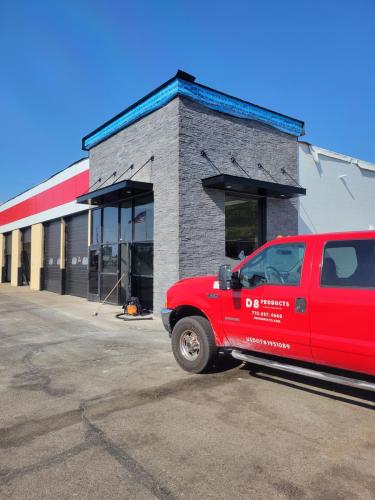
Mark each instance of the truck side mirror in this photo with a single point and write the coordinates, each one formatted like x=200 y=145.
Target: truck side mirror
x=235 y=282
x=224 y=277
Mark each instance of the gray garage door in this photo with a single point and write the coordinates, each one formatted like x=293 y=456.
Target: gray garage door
x=52 y=271
x=76 y=255
x=8 y=257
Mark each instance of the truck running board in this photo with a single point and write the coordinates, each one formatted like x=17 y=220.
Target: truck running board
x=328 y=377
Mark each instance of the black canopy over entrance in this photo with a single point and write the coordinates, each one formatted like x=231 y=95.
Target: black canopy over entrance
x=253 y=187
x=115 y=192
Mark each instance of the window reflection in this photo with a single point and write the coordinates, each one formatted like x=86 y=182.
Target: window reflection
x=93 y=271
x=126 y=221
x=124 y=235
x=143 y=255
x=109 y=258
x=110 y=224
x=144 y=219
x=276 y=265
x=96 y=227
x=241 y=227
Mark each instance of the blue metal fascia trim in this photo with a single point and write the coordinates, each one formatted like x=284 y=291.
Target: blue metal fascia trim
x=203 y=95
x=241 y=109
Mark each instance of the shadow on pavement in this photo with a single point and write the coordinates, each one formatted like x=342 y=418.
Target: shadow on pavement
x=364 y=399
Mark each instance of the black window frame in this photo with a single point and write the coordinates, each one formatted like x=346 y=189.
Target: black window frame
x=134 y=206
x=261 y=216
x=119 y=242
x=116 y=206
x=100 y=211
x=131 y=201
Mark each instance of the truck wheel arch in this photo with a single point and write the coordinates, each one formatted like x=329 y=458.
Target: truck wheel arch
x=185 y=311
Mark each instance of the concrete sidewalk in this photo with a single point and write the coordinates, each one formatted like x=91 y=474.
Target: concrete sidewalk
x=77 y=307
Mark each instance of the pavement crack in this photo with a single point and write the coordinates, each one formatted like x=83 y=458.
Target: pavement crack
x=9 y=475
x=97 y=437
x=22 y=433
x=35 y=378
x=107 y=404
x=94 y=437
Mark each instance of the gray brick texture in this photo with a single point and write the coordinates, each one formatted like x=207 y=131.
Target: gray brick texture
x=189 y=221
x=157 y=135
x=201 y=218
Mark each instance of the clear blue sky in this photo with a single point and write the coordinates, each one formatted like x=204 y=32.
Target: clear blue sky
x=68 y=66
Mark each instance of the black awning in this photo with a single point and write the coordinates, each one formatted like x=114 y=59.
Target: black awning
x=255 y=187
x=115 y=192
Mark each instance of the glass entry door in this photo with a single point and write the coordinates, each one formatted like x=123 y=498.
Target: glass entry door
x=142 y=272
x=109 y=274
x=136 y=269
x=122 y=250
x=94 y=260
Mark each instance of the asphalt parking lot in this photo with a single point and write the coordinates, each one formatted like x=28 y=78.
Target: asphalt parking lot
x=96 y=408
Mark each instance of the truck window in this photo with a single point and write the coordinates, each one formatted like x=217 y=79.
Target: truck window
x=276 y=265
x=349 y=264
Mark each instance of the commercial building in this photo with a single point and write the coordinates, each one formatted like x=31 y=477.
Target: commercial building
x=44 y=234
x=178 y=183
x=340 y=191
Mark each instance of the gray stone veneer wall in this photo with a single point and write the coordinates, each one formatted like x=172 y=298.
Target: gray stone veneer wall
x=155 y=134
x=189 y=225
x=201 y=218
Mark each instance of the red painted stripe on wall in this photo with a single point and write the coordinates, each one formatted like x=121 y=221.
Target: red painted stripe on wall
x=57 y=195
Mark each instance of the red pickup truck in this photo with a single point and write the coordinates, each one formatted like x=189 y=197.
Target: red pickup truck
x=307 y=298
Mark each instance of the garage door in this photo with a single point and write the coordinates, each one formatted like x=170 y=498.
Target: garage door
x=8 y=258
x=76 y=255
x=52 y=271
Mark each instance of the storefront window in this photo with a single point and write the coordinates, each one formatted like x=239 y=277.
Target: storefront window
x=124 y=235
x=94 y=271
x=143 y=255
x=109 y=258
x=241 y=227
x=110 y=224
x=142 y=287
x=96 y=227
x=126 y=221
x=144 y=219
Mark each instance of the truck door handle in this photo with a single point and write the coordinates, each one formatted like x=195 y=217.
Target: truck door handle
x=300 y=305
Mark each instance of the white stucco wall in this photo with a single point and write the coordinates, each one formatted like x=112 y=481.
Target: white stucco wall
x=340 y=192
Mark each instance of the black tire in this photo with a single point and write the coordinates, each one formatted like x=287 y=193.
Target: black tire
x=201 y=331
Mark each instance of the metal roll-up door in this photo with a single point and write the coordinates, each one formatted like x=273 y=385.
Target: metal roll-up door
x=52 y=271
x=8 y=257
x=76 y=279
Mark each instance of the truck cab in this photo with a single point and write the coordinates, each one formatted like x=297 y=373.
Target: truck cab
x=307 y=298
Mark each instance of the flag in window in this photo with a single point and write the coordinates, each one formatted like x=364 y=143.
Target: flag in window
x=140 y=218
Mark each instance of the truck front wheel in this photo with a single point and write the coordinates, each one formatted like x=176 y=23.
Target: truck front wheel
x=193 y=344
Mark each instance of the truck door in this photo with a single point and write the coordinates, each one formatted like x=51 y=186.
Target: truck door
x=343 y=304
x=270 y=312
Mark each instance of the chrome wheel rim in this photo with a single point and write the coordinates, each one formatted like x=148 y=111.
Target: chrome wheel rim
x=190 y=345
